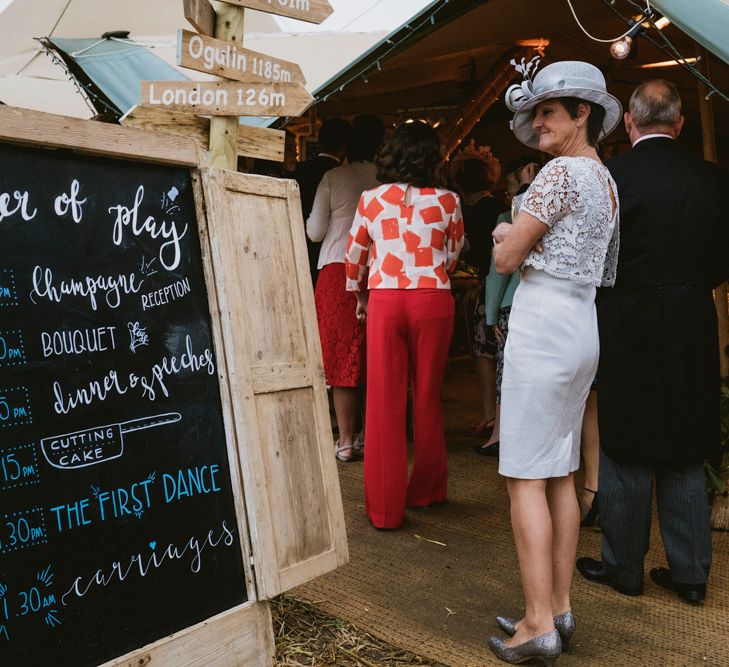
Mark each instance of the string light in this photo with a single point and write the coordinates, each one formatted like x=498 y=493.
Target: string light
x=93 y=101
x=662 y=42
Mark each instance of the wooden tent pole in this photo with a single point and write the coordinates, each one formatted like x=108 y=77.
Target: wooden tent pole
x=229 y=22
x=494 y=85
x=721 y=295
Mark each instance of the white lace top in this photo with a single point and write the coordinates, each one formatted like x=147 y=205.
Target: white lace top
x=571 y=195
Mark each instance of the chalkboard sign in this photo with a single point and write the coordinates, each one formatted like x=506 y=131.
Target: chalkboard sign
x=117 y=517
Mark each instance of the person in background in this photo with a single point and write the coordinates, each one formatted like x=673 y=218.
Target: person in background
x=411 y=232
x=499 y=289
x=342 y=334
x=658 y=393
x=332 y=139
x=590 y=453
x=566 y=235
x=474 y=178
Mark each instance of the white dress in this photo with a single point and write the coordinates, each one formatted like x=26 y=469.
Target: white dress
x=552 y=349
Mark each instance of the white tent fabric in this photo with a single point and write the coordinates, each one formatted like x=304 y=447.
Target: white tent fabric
x=30 y=79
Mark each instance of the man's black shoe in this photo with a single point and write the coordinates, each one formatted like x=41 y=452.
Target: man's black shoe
x=594 y=570
x=693 y=593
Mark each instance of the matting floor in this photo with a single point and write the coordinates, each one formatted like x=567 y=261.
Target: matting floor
x=439 y=600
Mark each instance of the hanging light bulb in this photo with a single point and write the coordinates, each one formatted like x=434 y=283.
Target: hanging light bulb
x=621 y=48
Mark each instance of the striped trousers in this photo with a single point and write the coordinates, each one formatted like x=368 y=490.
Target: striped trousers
x=626 y=502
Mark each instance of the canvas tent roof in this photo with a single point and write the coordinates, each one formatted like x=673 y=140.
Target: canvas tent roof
x=28 y=78
x=444 y=63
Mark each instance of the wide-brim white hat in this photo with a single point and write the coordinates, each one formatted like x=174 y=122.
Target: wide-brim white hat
x=568 y=78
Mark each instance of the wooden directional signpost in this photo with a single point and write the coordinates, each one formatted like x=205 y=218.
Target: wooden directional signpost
x=214 y=56
x=312 y=11
x=226 y=99
x=264 y=86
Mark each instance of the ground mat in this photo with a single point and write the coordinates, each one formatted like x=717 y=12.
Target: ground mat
x=434 y=586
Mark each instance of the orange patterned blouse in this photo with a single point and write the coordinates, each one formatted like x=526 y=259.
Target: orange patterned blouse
x=408 y=246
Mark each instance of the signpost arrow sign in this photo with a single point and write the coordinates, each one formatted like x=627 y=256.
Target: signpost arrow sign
x=226 y=99
x=232 y=61
x=201 y=15
x=312 y=11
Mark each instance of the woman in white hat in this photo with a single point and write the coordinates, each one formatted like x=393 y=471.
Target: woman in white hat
x=566 y=239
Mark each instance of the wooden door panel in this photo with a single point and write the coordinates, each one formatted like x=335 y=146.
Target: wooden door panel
x=273 y=355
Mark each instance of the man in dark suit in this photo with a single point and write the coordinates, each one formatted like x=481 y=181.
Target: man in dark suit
x=332 y=139
x=658 y=379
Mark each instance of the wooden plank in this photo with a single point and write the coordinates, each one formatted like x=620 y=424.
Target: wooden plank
x=311 y=11
x=708 y=132
x=257 y=240
x=494 y=85
x=232 y=61
x=256 y=142
x=227 y=99
x=280 y=377
x=201 y=15
x=238 y=637
x=23 y=126
x=231 y=437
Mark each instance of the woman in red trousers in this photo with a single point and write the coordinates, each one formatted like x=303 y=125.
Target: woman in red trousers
x=409 y=233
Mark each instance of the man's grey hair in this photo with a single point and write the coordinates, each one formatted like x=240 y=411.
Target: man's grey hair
x=655 y=103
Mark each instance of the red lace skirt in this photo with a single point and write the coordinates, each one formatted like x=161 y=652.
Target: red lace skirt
x=342 y=336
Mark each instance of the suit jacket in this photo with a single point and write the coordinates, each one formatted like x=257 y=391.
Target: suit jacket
x=308 y=175
x=658 y=379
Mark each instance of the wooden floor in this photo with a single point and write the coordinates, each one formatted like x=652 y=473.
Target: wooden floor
x=434 y=586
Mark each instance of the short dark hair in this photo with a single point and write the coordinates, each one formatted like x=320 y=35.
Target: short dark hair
x=595 y=120
x=472 y=176
x=411 y=155
x=365 y=138
x=333 y=135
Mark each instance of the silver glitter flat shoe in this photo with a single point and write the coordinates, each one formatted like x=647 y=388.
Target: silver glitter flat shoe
x=546 y=647
x=564 y=623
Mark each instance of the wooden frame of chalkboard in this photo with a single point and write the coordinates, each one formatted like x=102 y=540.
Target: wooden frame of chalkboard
x=268 y=397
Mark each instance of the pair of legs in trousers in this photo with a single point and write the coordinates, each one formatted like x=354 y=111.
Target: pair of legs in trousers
x=626 y=499
x=408 y=335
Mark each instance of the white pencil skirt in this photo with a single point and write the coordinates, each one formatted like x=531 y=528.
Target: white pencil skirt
x=550 y=362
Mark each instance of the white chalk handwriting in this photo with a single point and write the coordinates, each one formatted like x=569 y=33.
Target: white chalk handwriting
x=138 y=336
x=8 y=207
x=112 y=287
x=142 y=563
x=70 y=201
x=150 y=385
x=169 y=251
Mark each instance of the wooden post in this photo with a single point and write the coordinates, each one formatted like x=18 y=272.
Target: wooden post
x=229 y=22
x=721 y=298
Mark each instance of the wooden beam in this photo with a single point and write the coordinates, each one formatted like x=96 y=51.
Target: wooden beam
x=229 y=24
x=493 y=86
x=257 y=142
x=26 y=127
x=201 y=16
x=312 y=11
x=721 y=293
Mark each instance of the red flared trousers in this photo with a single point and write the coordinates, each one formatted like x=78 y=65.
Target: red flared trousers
x=408 y=336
